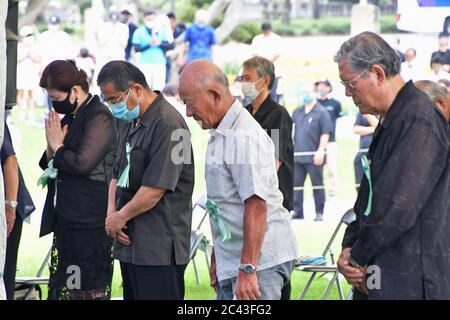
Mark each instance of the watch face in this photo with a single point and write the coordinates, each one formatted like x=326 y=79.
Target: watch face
x=11 y=203
x=248 y=269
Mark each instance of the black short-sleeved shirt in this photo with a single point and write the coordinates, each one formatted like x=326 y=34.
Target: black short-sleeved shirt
x=443 y=55
x=334 y=110
x=364 y=141
x=308 y=128
x=408 y=230
x=155 y=139
x=25 y=205
x=270 y=116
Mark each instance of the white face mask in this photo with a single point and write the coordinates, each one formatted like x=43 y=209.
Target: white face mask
x=249 y=90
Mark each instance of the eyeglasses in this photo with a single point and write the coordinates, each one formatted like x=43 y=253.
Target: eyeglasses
x=111 y=104
x=351 y=83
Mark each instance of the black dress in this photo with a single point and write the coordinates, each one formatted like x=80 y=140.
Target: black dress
x=76 y=205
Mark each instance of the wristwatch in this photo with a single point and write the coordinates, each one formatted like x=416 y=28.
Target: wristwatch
x=11 y=203
x=247 y=268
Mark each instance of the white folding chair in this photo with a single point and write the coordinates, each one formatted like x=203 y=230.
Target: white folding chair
x=197 y=237
x=34 y=282
x=346 y=219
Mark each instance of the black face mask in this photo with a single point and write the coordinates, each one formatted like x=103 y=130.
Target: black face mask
x=65 y=107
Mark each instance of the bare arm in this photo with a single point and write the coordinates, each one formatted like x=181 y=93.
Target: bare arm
x=363 y=131
x=373 y=121
x=145 y=199
x=255 y=220
x=278 y=164
x=11 y=179
x=112 y=196
x=319 y=156
x=323 y=142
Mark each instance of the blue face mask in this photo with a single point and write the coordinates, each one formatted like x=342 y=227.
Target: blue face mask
x=120 y=110
x=307 y=99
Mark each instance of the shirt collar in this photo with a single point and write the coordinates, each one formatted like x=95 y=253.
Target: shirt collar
x=314 y=109
x=397 y=106
x=147 y=117
x=263 y=109
x=228 y=120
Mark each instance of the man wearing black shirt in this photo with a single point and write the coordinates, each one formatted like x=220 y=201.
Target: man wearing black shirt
x=402 y=221
x=443 y=52
x=150 y=208
x=258 y=76
x=333 y=107
x=273 y=117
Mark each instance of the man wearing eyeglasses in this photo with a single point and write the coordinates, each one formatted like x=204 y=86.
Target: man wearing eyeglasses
x=402 y=221
x=149 y=208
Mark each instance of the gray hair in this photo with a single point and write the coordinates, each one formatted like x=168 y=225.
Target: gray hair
x=263 y=67
x=219 y=78
x=366 y=49
x=432 y=89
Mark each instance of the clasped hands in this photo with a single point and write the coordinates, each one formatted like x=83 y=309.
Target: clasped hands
x=355 y=276
x=115 y=225
x=54 y=133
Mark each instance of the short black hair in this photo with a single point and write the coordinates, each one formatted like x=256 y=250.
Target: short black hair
x=266 y=26
x=437 y=59
x=121 y=74
x=172 y=15
x=443 y=35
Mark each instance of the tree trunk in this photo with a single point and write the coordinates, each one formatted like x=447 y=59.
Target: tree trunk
x=216 y=8
x=316 y=10
x=34 y=9
x=287 y=12
x=233 y=18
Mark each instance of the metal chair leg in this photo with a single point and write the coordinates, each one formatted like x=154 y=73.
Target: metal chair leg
x=308 y=284
x=350 y=294
x=339 y=285
x=330 y=285
x=196 y=272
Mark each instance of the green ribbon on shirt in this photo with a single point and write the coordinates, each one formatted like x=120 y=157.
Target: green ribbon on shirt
x=216 y=215
x=124 y=177
x=49 y=173
x=366 y=169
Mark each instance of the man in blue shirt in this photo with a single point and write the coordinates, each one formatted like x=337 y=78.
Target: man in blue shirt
x=200 y=38
x=150 y=41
